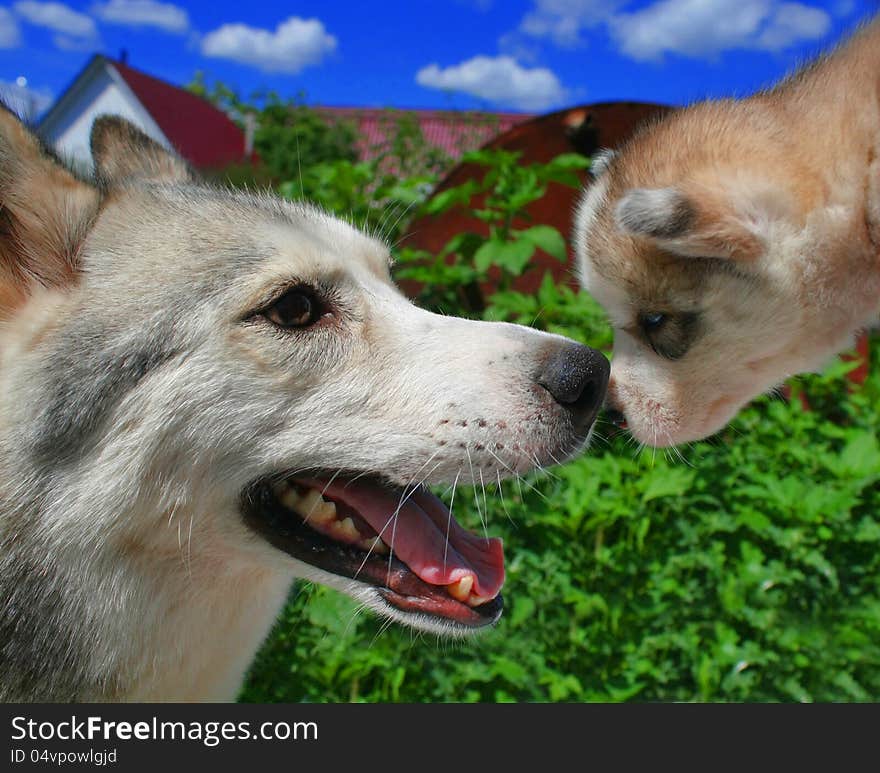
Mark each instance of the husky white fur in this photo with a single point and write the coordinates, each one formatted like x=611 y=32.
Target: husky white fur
x=735 y=243
x=206 y=394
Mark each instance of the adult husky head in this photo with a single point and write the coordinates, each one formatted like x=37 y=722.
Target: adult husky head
x=206 y=394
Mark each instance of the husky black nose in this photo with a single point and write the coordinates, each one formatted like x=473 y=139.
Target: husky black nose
x=577 y=376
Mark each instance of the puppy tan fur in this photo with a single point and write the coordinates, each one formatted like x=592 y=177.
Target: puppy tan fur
x=205 y=394
x=737 y=242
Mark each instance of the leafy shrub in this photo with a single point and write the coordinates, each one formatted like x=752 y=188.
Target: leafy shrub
x=453 y=280
x=287 y=133
x=742 y=568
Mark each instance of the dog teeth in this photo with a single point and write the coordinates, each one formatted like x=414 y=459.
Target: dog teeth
x=311 y=505
x=308 y=505
x=461 y=589
x=289 y=497
x=319 y=512
x=374 y=545
x=309 y=502
x=346 y=530
x=325 y=513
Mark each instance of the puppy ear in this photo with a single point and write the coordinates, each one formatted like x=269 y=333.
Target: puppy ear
x=123 y=153
x=601 y=160
x=45 y=214
x=687 y=225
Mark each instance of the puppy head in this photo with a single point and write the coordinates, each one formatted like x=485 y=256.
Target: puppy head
x=724 y=264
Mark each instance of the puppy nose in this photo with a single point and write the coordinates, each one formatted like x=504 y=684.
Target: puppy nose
x=577 y=376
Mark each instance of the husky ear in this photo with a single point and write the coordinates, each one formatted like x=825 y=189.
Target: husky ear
x=122 y=152
x=45 y=214
x=685 y=225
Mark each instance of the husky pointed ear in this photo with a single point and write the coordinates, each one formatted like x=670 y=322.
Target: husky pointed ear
x=45 y=215
x=686 y=226
x=122 y=153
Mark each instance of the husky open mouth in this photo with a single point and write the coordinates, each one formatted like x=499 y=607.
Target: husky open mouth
x=404 y=543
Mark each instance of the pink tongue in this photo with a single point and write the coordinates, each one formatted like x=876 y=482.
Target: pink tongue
x=418 y=535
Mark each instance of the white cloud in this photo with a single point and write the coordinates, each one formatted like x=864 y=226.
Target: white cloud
x=70 y=43
x=10 y=36
x=143 y=13
x=706 y=28
x=792 y=23
x=562 y=20
x=518 y=46
x=26 y=102
x=499 y=79
x=58 y=18
x=295 y=44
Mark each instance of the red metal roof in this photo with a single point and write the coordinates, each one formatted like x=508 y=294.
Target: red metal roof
x=584 y=129
x=452 y=131
x=202 y=134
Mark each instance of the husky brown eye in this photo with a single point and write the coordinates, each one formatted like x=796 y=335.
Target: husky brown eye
x=298 y=307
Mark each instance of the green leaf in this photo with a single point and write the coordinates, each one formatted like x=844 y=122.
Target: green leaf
x=509 y=669
x=465 y=244
x=511 y=256
x=547 y=238
x=668 y=482
x=459 y=195
x=523 y=609
x=861 y=455
x=569 y=161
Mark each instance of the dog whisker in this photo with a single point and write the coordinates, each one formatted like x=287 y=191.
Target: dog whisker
x=404 y=498
x=361 y=607
x=330 y=482
x=485 y=503
x=189 y=546
x=476 y=493
x=384 y=626
x=517 y=477
x=501 y=496
x=399 y=218
x=449 y=518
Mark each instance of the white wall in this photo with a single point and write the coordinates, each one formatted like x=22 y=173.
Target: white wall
x=69 y=131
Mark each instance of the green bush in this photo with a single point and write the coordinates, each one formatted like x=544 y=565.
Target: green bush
x=742 y=568
x=288 y=135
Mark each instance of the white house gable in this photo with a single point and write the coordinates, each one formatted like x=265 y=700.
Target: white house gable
x=99 y=90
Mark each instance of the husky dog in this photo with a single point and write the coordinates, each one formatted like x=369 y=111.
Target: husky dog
x=206 y=394
x=735 y=243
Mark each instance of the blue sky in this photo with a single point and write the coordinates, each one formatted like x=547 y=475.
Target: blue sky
x=531 y=55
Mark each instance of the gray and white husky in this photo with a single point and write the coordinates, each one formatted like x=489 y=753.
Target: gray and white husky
x=205 y=394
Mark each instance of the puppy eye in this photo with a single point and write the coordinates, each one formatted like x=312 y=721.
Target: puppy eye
x=299 y=307
x=652 y=321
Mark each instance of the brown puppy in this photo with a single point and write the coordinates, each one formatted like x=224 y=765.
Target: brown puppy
x=735 y=243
